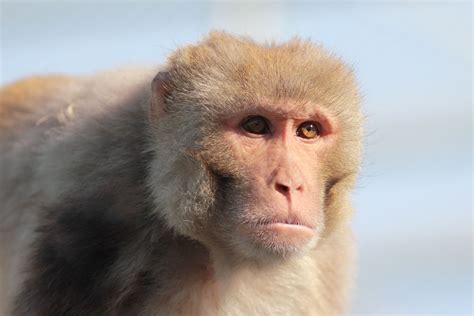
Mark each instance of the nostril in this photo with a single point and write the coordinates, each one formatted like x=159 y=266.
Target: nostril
x=282 y=188
x=287 y=189
x=299 y=188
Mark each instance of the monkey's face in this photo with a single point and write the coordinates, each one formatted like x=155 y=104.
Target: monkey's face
x=271 y=160
x=254 y=144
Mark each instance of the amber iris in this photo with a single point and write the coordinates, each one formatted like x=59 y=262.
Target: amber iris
x=308 y=130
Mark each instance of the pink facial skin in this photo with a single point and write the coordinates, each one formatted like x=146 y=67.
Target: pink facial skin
x=284 y=171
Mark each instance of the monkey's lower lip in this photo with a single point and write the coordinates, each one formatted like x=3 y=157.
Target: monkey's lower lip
x=295 y=230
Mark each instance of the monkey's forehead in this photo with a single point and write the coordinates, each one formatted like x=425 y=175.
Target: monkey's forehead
x=225 y=70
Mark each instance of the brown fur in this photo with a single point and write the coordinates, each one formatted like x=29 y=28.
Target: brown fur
x=131 y=198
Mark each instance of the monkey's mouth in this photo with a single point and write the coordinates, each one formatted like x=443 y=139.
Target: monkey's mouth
x=289 y=228
x=290 y=221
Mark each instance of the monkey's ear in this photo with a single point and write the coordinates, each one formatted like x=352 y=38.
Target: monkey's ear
x=160 y=90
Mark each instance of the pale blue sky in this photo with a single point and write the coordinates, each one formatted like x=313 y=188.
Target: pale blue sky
x=413 y=202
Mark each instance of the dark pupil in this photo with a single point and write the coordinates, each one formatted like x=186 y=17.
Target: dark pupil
x=310 y=128
x=255 y=125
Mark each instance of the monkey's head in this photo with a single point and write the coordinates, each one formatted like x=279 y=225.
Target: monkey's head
x=256 y=146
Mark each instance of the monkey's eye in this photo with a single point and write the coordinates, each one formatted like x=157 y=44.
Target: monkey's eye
x=308 y=130
x=255 y=125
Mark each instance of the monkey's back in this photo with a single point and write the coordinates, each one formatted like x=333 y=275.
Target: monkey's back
x=35 y=114
x=27 y=112
x=38 y=115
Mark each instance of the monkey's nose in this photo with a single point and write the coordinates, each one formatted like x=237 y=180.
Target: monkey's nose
x=287 y=188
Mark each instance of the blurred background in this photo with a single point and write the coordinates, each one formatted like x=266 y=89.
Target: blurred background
x=413 y=219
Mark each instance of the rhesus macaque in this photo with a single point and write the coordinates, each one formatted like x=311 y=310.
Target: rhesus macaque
x=221 y=190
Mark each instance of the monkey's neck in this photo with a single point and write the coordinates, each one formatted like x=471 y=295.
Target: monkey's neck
x=205 y=284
